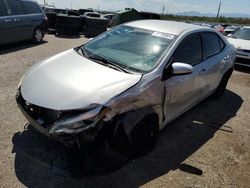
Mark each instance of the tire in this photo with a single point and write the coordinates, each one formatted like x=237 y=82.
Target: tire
x=38 y=35
x=141 y=139
x=70 y=25
x=223 y=84
x=96 y=22
x=63 y=19
x=93 y=31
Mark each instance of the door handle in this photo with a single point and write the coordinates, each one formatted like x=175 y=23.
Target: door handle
x=8 y=20
x=203 y=71
x=226 y=57
x=16 y=19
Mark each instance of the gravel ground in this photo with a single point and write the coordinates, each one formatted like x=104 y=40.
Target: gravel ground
x=206 y=147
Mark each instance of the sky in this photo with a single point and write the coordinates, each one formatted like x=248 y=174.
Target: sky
x=171 y=6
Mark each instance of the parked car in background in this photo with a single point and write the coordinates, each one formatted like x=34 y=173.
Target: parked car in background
x=241 y=41
x=218 y=27
x=231 y=30
x=82 y=11
x=21 y=20
x=126 y=84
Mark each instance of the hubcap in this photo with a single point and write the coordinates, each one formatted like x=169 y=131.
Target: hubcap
x=38 y=35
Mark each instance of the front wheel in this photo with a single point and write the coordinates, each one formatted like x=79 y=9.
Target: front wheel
x=141 y=139
x=38 y=35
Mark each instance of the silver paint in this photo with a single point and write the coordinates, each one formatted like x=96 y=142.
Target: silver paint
x=69 y=81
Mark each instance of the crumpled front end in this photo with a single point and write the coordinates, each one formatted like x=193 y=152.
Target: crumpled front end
x=67 y=127
x=84 y=125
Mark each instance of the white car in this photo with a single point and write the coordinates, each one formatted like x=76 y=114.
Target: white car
x=241 y=41
x=126 y=84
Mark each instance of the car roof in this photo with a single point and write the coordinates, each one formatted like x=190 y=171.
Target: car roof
x=171 y=27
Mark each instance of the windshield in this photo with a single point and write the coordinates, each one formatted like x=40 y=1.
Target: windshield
x=131 y=48
x=244 y=34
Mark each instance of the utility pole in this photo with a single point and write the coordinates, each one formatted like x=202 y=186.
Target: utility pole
x=218 y=13
x=44 y=2
x=99 y=3
x=163 y=10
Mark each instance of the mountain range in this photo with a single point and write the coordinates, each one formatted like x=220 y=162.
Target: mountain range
x=194 y=13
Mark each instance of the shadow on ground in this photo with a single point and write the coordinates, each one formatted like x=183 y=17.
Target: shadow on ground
x=68 y=36
x=35 y=155
x=13 y=47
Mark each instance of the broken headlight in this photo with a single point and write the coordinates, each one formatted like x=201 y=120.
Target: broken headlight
x=79 y=123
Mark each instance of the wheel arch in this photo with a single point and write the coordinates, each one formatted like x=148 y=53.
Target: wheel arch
x=130 y=119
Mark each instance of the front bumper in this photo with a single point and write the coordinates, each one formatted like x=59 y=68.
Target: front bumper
x=44 y=125
x=243 y=57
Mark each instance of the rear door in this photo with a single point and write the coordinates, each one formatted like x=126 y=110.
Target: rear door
x=16 y=24
x=213 y=61
x=33 y=17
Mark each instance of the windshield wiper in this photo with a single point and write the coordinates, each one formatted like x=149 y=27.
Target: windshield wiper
x=82 y=52
x=103 y=61
x=107 y=62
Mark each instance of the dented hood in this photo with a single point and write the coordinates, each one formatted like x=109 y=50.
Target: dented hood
x=69 y=81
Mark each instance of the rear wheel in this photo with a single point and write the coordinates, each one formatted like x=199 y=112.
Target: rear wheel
x=223 y=84
x=38 y=35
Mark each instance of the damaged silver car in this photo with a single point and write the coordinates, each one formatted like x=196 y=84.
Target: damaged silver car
x=126 y=84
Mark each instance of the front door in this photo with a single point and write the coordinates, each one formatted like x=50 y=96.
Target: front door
x=184 y=91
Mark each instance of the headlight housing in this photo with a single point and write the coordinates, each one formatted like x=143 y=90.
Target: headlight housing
x=79 y=123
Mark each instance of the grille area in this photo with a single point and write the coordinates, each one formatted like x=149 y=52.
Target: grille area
x=45 y=117
x=243 y=61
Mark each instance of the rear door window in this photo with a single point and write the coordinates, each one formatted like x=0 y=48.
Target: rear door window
x=211 y=44
x=31 y=8
x=15 y=7
x=3 y=11
x=189 y=51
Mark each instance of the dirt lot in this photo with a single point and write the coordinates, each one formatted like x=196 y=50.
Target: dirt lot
x=207 y=147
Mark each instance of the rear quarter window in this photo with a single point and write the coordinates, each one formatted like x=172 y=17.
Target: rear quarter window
x=211 y=44
x=3 y=11
x=15 y=7
x=222 y=44
x=31 y=8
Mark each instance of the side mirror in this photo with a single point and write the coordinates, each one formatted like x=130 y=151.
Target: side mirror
x=181 y=68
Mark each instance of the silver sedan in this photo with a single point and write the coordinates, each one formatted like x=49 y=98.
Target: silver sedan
x=126 y=84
